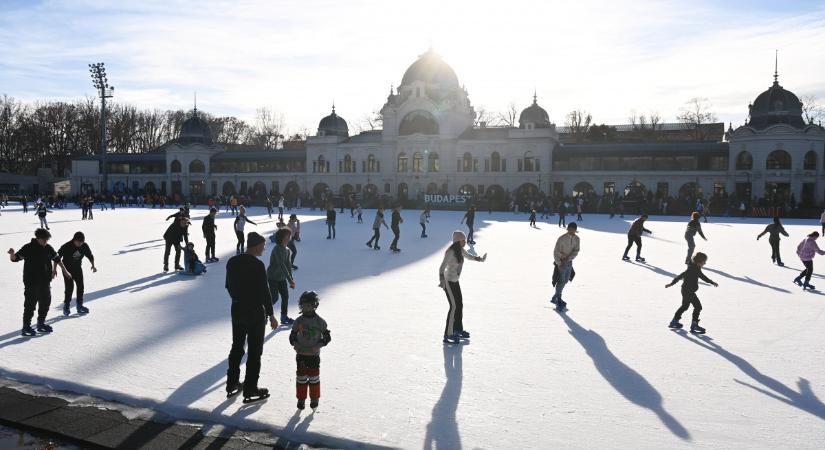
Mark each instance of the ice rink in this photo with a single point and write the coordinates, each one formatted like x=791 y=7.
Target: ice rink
x=607 y=374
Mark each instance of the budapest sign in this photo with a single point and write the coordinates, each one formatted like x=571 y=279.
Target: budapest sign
x=436 y=198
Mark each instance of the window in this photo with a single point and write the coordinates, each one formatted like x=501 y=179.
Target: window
x=609 y=188
x=402 y=162
x=321 y=165
x=347 y=165
x=662 y=189
x=418 y=162
x=778 y=160
x=466 y=163
x=432 y=162
x=530 y=163
x=744 y=161
x=175 y=168
x=372 y=164
x=810 y=161
x=495 y=162
x=387 y=188
x=197 y=166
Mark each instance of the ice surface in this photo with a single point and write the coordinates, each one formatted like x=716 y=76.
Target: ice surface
x=608 y=374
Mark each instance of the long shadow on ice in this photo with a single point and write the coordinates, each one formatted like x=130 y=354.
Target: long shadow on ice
x=805 y=400
x=442 y=431
x=626 y=381
x=748 y=280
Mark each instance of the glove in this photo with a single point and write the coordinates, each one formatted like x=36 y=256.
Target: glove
x=326 y=337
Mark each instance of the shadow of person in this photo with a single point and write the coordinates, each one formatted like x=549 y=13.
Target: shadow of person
x=626 y=381
x=804 y=400
x=748 y=280
x=655 y=269
x=294 y=428
x=442 y=431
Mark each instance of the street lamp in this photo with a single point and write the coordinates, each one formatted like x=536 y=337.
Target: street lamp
x=104 y=91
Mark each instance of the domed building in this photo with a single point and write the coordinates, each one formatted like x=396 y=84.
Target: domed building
x=333 y=125
x=195 y=130
x=534 y=116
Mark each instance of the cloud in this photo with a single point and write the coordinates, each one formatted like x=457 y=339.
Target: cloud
x=298 y=56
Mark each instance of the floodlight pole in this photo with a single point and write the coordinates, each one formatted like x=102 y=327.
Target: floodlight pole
x=104 y=91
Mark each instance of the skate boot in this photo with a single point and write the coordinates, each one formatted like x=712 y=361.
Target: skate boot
x=369 y=244
x=554 y=300
x=640 y=259
x=377 y=247
x=179 y=268
x=675 y=324
x=301 y=404
x=464 y=334
x=797 y=281
x=232 y=389
x=66 y=310
x=215 y=259
x=808 y=286
x=43 y=328
x=166 y=268
x=452 y=339
x=625 y=258
x=561 y=305
x=695 y=328
x=82 y=309
x=27 y=331
x=780 y=264
x=285 y=320
x=255 y=394
x=313 y=403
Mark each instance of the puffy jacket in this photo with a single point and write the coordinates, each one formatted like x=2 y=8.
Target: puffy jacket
x=567 y=248
x=807 y=249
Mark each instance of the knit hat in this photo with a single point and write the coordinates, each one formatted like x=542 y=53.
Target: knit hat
x=459 y=235
x=79 y=236
x=254 y=239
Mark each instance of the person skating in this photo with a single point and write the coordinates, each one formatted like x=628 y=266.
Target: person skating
x=470 y=219
x=448 y=276
x=690 y=284
x=579 y=202
x=562 y=213
x=423 y=220
x=72 y=254
x=700 y=208
x=191 y=263
x=634 y=236
x=269 y=207
x=308 y=335
x=295 y=227
x=240 y=222
x=533 y=218
x=360 y=213
x=279 y=272
x=176 y=232
x=566 y=249
x=208 y=227
x=251 y=307
x=376 y=228
x=40 y=263
x=281 y=208
x=25 y=202
x=806 y=250
x=41 y=212
x=693 y=227
x=331 y=221
x=395 y=226
x=774 y=230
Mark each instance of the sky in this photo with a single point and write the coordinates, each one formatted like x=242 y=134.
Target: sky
x=298 y=57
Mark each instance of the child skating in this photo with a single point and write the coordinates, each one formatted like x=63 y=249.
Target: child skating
x=634 y=236
x=690 y=284
x=806 y=250
x=533 y=218
x=309 y=333
x=774 y=230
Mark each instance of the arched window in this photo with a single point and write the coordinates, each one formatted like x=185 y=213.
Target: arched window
x=530 y=163
x=495 y=162
x=372 y=164
x=228 y=188
x=347 y=165
x=690 y=190
x=778 y=160
x=467 y=162
x=744 y=161
x=149 y=187
x=197 y=166
x=403 y=191
x=418 y=162
x=175 y=168
x=321 y=165
x=432 y=162
x=810 y=161
x=421 y=122
x=582 y=188
x=402 y=162
x=467 y=189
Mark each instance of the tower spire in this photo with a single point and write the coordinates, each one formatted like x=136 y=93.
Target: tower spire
x=196 y=103
x=776 y=67
x=535 y=97
x=333 y=106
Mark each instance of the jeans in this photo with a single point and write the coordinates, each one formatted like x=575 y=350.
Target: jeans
x=239 y=247
x=331 y=230
x=634 y=240
x=423 y=230
x=169 y=245
x=691 y=246
x=210 y=246
x=376 y=235
x=775 y=250
x=397 y=232
x=689 y=298
x=470 y=233
x=564 y=277
x=77 y=278
x=293 y=249
x=37 y=295
x=806 y=272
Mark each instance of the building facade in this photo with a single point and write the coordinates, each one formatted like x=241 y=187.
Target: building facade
x=429 y=145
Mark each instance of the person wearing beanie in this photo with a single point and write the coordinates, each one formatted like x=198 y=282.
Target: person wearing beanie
x=279 y=272
x=40 y=263
x=690 y=285
x=72 y=254
x=634 y=236
x=565 y=251
x=208 y=227
x=774 y=230
x=448 y=275
x=246 y=282
x=240 y=221
x=806 y=250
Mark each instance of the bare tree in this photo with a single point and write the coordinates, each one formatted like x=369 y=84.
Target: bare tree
x=812 y=109
x=696 y=114
x=508 y=117
x=370 y=122
x=269 y=129
x=483 y=117
x=578 y=122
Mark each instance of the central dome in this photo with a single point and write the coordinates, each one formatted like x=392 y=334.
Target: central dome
x=431 y=69
x=776 y=105
x=195 y=131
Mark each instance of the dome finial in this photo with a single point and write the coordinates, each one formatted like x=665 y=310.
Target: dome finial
x=196 y=104
x=535 y=97
x=776 y=68
x=333 y=107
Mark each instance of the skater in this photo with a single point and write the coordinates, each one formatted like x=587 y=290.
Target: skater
x=376 y=228
x=533 y=218
x=693 y=227
x=822 y=221
x=25 y=202
x=308 y=335
x=295 y=227
x=395 y=226
x=579 y=202
x=40 y=263
x=565 y=251
x=251 y=307
x=281 y=208
x=690 y=285
x=41 y=212
x=700 y=208
x=72 y=253
x=774 y=230
x=359 y=211
x=470 y=218
x=269 y=206
x=806 y=250
x=424 y=220
x=192 y=264
x=208 y=227
x=279 y=272
x=562 y=213
x=240 y=222
x=634 y=235
x=448 y=275
x=331 y=221
x=176 y=232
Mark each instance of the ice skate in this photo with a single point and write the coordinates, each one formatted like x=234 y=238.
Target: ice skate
x=452 y=339
x=561 y=305
x=808 y=286
x=255 y=394
x=301 y=404
x=797 y=281
x=43 y=328
x=640 y=259
x=625 y=258
x=675 y=324
x=82 y=309
x=369 y=244
x=232 y=389
x=464 y=334
x=66 y=310
x=166 y=268
x=313 y=403
x=554 y=299
x=695 y=328
x=28 y=331
x=286 y=320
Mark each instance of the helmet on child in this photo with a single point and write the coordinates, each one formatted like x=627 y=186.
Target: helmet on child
x=308 y=301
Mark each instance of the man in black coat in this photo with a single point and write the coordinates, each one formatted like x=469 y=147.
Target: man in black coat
x=247 y=284
x=39 y=269
x=395 y=226
x=71 y=254
x=176 y=232
x=208 y=229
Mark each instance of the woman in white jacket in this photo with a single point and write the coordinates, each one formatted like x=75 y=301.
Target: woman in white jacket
x=448 y=275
